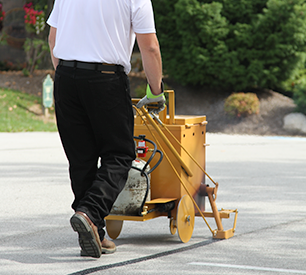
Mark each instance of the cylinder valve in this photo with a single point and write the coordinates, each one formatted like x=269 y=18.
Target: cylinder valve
x=142 y=148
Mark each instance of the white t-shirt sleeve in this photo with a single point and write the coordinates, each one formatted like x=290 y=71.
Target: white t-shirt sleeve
x=142 y=17
x=52 y=20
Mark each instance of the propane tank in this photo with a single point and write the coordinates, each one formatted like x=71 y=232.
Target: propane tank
x=132 y=196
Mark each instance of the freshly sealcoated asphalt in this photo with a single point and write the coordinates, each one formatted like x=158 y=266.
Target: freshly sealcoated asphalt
x=263 y=177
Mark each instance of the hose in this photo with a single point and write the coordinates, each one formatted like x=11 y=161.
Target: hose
x=143 y=170
x=147 y=190
x=155 y=150
x=158 y=162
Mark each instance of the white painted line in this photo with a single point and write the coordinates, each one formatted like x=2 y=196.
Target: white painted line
x=251 y=267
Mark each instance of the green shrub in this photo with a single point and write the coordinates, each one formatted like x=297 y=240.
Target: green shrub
x=299 y=98
x=35 y=50
x=242 y=104
x=232 y=44
x=297 y=86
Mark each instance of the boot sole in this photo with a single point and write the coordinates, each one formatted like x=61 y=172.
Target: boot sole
x=87 y=239
x=104 y=251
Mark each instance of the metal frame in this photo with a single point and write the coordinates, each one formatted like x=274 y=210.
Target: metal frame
x=186 y=169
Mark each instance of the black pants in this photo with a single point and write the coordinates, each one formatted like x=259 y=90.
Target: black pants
x=95 y=120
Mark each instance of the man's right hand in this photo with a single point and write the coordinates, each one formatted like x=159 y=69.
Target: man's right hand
x=150 y=98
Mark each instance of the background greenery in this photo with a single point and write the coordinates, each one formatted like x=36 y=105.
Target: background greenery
x=16 y=113
x=236 y=45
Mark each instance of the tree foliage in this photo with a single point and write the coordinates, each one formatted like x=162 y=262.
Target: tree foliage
x=232 y=44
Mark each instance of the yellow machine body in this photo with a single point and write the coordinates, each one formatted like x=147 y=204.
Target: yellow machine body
x=180 y=177
x=190 y=132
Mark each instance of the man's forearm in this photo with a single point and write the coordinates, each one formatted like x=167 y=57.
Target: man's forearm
x=151 y=60
x=52 y=36
x=54 y=60
x=153 y=70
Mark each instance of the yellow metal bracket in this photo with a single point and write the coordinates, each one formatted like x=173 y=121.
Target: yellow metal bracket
x=226 y=234
x=223 y=214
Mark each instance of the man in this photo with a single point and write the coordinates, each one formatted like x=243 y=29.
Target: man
x=91 y=44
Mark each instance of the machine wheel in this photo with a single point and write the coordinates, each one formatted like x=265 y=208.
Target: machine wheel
x=172 y=226
x=185 y=218
x=113 y=228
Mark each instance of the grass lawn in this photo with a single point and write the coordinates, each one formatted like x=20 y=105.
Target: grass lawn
x=21 y=112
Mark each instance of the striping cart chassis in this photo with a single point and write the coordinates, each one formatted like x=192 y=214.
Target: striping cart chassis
x=177 y=185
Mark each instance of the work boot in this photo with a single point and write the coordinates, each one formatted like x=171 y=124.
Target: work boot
x=89 y=239
x=108 y=247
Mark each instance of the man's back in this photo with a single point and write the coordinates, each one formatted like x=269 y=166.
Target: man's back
x=100 y=30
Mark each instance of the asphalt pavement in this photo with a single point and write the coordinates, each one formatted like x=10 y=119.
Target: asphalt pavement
x=263 y=177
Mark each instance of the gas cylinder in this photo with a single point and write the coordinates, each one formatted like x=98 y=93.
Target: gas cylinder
x=133 y=194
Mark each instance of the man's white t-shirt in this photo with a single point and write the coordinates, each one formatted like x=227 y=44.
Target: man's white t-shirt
x=100 y=30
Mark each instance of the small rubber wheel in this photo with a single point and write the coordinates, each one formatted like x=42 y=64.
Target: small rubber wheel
x=172 y=226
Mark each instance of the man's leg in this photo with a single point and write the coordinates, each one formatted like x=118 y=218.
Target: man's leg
x=81 y=150
x=109 y=107
x=76 y=134
x=95 y=119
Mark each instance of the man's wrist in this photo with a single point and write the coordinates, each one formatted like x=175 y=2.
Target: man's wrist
x=151 y=95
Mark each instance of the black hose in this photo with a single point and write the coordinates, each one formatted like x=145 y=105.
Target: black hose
x=143 y=170
x=157 y=163
x=152 y=155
